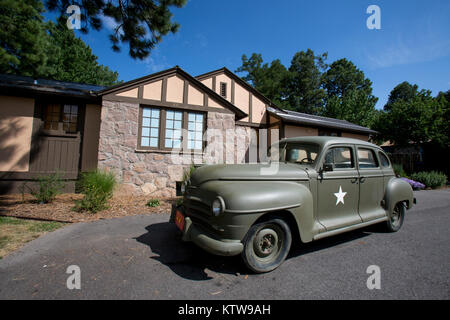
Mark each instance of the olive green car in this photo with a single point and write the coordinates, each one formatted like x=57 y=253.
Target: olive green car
x=312 y=188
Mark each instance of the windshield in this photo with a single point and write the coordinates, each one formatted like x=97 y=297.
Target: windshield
x=300 y=153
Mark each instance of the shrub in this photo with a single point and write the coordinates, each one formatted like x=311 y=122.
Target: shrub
x=432 y=179
x=188 y=173
x=153 y=203
x=398 y=170
x=98 y=188
x=49 y=187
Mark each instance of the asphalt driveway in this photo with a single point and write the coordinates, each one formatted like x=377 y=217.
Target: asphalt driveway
x=141 y=257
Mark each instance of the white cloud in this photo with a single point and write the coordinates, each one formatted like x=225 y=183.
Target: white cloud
x=156 y=62
x=425 y=41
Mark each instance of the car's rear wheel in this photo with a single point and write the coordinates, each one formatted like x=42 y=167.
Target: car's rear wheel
x=396 y=218
x=267 y=245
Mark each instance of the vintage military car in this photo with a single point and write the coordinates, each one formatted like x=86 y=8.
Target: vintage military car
x=311 y=188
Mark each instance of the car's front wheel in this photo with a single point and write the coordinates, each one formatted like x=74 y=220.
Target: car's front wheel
x=396 y=218
x=267 y=245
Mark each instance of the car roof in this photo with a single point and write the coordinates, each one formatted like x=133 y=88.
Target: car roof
x=324 y=141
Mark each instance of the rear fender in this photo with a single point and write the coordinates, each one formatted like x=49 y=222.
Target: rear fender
x=398 y=190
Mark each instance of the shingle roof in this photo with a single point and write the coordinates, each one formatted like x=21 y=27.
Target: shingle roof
x=318 y=121
x=8 y=81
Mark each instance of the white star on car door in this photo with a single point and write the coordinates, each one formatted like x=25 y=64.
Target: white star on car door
x=340 y=196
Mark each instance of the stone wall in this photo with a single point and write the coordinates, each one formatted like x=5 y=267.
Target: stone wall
x=156 y=173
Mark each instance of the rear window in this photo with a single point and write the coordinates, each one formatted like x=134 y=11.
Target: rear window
x=384 y=160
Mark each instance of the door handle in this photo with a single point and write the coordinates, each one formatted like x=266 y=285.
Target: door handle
x=362 y=179
x=354 y=180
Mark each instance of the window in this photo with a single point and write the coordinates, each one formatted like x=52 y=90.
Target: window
x=164 y=128
x=70 y=118
x=51 y=116
x=150 y=127
x=301 y=154
x=366 y=158
x=195 y=131
x=66 y=114
x=341 y=157
x=384 y=160
x=223 y=89
x=173 y=129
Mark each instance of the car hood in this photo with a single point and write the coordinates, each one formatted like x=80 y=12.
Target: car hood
x=285 y=171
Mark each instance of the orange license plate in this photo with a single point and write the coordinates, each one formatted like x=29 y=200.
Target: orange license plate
x=179 y=220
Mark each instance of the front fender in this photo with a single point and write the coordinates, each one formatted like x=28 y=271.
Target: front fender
x=247 y=201
x=258 y=196
x=398 y=190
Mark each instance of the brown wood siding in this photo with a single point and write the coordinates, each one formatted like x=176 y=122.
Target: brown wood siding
x=91 y=136
x=57 y=154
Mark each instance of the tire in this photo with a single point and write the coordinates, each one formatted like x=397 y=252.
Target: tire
x=396 y=218
x=267 y=245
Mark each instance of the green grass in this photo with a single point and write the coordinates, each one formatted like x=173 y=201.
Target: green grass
x=3 y=241
x=10 y=220
x=44 y=226
x=14 y=232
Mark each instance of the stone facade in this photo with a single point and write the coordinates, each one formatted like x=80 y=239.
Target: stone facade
x=156 y=173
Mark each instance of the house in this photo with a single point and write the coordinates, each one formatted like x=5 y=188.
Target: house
x=147 y=130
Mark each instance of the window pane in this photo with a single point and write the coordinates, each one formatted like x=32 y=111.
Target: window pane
x=191 y=117
x=153 y=142
x=155 y=113
x=177 y=125
x=177 y=144
x=199 y=118
x=154 y=132
x=198 y=144
x=341 y=157
x=169 y=134
x=168 y=143
x=146 y=112
x=146 y=122
x=155 y=123
x=145 y=142
x=366 y=158
x=145 y=132
x=169 y=115
x=384 y=160
x=178 y=115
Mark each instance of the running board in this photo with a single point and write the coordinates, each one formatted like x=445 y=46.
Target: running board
x=349 y=228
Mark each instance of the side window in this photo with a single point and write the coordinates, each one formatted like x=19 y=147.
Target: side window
x=366 y=158
x=341 y=157
x=384 y=160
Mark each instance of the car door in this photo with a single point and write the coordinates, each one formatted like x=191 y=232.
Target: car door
x=370 y=184
x=338 y=190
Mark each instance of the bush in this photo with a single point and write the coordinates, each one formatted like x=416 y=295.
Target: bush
x=398 y=170
x=153 y=203
x=98 y=188
x=432 y=179
x=49 y=187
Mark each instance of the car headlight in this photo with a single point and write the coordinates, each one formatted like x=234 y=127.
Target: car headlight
x=218 y=206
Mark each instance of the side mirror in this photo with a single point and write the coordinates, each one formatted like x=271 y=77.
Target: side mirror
x=328 y=167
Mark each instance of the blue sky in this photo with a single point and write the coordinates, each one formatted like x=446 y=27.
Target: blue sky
x=412 y=45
